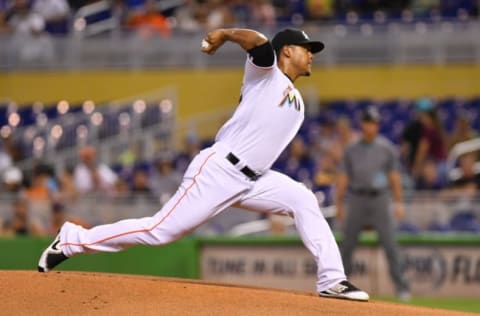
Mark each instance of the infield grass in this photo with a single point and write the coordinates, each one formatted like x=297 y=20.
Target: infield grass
x=458 y=304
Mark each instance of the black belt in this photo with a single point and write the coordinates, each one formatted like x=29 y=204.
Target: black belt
x=252 y=175
x=367 y=192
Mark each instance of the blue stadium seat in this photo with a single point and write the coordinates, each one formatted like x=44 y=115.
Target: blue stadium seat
x=407 y=227
x=440 y=228
x=465 y=221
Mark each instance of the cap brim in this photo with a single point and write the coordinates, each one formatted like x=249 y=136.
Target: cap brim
x=315 y=46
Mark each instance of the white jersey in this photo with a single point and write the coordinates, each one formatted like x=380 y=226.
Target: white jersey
x=269 y=115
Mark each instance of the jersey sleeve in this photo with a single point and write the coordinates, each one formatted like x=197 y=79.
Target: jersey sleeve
x=260 y=62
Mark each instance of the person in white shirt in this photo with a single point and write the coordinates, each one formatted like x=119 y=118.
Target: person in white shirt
x=236 y=169
x=56 y=14
x=29 y=42
x=91 y=176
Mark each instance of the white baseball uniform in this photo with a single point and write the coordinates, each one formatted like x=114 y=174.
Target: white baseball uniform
x=269 y=115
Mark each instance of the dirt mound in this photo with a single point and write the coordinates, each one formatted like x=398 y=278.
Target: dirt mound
x=77 y=293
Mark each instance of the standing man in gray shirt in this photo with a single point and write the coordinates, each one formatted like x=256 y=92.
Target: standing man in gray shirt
x=370 y=178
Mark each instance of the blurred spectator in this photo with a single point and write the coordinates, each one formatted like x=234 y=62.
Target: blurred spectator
x=120 y=10
x=412 y=133
x=18 y=225
x=298 y=164
x=192 y=147
x=91 y=176
x=140 y=182
x=30 y=42
x=345 y=136
x=3 y=22
x=429 y=178
x=42 y=185
x=187 y=18
x=324 y=142
x=324 y=178
x=424 y=139
x=263 y=13
x=56 y=14
x=432 y=145
x=59 y=217
x=469 y=178
x=191 y=15
x=127 y=161
x=425 y=8
x=219 y=15
x=68 y=191
x=320 y=9
x=457 y=8
x=5 y=159
x=150 y=22
x=164 y=180
x=11 y=149
x=242 y=11
x=290 y=11
x=121 y=190
x=40 y=194
x=463 y=131
x=12 y=180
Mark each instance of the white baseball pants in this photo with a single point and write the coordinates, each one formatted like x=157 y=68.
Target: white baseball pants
x=211 y=184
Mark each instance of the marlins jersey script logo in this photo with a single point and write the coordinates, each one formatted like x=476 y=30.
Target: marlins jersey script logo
x=291 y=97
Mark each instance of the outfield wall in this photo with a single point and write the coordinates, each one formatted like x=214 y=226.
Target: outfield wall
x=441 y=266
x=444 y=266
x=179 y=259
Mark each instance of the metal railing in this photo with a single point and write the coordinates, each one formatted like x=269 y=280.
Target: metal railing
x=146 y=123
x=438 y=212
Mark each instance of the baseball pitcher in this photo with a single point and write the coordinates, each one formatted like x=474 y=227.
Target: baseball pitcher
x=236 y=169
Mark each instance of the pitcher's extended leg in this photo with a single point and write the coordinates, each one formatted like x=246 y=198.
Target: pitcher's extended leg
x=198 y=198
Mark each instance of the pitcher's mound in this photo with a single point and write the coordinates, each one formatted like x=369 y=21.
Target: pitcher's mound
x=77 y=293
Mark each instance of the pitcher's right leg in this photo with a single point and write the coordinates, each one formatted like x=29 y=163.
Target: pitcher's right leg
x=278 y=194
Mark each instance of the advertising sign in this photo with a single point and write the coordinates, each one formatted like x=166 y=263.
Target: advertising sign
x=431 y=270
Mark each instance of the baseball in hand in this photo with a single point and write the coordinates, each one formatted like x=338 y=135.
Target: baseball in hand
x=205 y=44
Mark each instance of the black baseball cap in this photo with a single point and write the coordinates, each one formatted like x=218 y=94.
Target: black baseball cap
x=295 y=37
x=370 y=114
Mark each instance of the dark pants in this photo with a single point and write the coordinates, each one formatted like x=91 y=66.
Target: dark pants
x=375 y=211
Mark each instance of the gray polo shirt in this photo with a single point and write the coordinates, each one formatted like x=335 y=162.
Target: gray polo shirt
x=367 y=164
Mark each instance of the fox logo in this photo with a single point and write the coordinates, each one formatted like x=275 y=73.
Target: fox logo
x=291 y=96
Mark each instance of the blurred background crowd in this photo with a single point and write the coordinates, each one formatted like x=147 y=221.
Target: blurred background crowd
x=155 y=17
x=424 y=132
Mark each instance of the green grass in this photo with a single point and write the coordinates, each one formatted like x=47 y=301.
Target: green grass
x=457 y=304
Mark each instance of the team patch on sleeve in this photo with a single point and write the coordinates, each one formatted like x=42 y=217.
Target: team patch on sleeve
x=290 y=96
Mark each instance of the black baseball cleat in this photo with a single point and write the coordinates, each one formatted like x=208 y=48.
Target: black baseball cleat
x=345 y=290
x=51 y=256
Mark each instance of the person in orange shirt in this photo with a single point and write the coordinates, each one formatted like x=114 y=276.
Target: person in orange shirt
x=150 y=22
x=39 y=196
